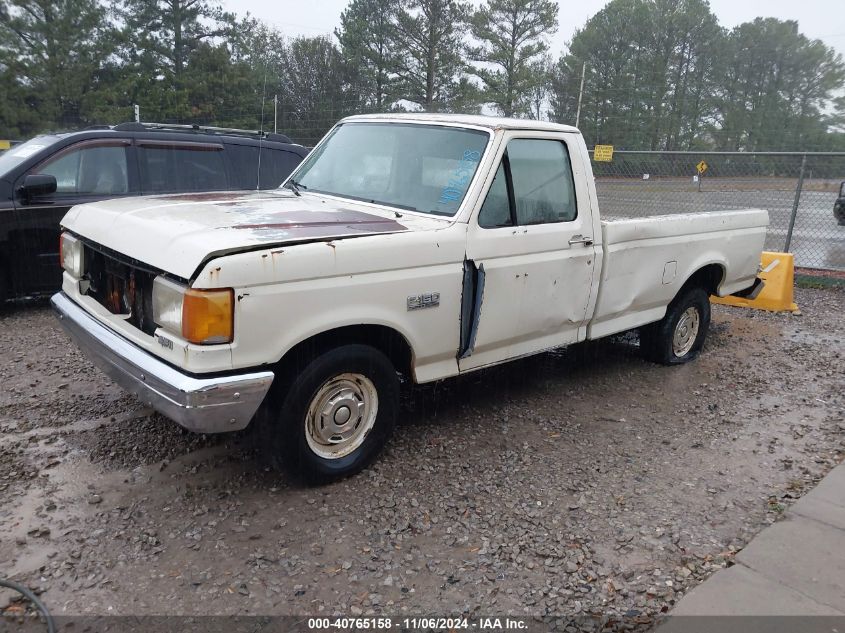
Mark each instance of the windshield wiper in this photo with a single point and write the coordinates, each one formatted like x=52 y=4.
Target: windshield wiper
x=295 y=186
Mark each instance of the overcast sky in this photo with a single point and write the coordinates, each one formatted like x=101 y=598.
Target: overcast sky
x=822 y=19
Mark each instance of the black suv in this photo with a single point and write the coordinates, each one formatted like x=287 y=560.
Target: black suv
x=42 y=178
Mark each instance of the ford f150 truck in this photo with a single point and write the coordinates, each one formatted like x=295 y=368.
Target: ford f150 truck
x=422 y=246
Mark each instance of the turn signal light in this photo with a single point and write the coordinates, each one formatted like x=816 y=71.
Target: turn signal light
x=207 y=316
x=199 y=316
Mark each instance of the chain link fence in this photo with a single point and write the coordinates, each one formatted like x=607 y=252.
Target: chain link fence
x=798 y=190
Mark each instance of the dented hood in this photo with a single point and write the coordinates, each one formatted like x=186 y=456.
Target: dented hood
x=177 y=233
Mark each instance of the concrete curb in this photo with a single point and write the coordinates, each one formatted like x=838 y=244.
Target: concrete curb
x=789 y=575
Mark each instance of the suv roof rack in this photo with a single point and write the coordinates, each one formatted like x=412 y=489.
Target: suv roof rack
x=135 y=126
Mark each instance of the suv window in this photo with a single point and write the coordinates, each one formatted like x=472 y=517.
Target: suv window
x=276 y=165
x=541 y=183
x=243 y=160
x=89 y=170
x=173 y=166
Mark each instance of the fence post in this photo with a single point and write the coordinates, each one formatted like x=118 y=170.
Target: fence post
x=798 y=188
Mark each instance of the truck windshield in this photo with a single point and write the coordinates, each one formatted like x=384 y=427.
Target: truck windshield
x=425 y=168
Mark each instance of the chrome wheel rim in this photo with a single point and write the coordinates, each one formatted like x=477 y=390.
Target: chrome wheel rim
x=686 y=331
x=341 y=415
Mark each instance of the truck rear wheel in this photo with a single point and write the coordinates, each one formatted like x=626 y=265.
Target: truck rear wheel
x=679 y=336
x=331 y=418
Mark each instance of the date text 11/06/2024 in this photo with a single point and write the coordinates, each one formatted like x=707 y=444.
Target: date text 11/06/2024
x=422 y=624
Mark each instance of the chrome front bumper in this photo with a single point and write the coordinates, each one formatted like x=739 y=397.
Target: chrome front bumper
x=203 y=405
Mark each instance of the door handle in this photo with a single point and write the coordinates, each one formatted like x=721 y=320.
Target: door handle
x=580 y=239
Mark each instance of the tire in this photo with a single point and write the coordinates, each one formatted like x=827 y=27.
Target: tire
x=339 y=383
x=658 y=341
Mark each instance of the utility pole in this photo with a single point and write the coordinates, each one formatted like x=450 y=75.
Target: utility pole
x=275 y=113
x=580 y=95
x=137 y=113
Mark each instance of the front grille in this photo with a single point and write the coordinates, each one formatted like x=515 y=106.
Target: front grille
x=120 y=286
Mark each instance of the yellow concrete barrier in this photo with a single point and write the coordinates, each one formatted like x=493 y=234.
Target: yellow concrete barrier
x=777 y=295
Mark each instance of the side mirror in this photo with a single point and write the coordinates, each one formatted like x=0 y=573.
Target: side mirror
x=35 y=185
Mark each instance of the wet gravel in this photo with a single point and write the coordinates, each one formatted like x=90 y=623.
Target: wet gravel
x=581 y=483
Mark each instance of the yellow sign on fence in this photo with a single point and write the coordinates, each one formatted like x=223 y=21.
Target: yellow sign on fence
x=701 y=167
x=603 y=153
x=5 y=144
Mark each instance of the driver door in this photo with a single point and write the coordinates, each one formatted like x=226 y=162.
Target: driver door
x=533 y=240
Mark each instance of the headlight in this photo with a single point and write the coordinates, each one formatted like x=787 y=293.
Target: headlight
x=70 y=254
x=199 y=316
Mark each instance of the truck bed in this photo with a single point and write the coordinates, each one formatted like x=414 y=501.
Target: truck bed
x=646 y=260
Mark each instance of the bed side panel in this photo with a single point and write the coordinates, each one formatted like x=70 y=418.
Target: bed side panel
x=647 y=260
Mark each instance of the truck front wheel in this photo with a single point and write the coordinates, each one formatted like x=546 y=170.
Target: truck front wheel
x=678 y=336
x=333 y=416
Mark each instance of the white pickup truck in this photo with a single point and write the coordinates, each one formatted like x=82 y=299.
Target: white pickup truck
x=422 y=246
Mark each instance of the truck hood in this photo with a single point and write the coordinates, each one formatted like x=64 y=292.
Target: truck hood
x=177 y=233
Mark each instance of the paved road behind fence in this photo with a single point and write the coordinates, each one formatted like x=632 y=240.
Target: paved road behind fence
x=637 y=184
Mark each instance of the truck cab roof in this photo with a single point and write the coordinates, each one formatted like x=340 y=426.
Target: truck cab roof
x=477 y=120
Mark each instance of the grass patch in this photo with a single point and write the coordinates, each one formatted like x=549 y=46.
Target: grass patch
x=818 y=282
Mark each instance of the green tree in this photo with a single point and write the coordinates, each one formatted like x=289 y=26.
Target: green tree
x=157 y=41
x=315 y=87
x=682 y=77
x=161 y=34
x=222 y=92
x=650 y=74
x=54 y=58
x=512 y=36
x=465 y=96
x=368 y=42
x=18 y=118
x=541 y=72
x=431 y=64
x=250 y=75
x=778 y=89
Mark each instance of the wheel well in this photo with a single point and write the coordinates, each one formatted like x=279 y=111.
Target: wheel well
x=709 y=277
x=387 y=340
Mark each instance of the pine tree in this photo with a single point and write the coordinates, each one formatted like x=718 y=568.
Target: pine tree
x=650 y=74
x=778 y=88
x=53 y=54
x=512 y=36
x=432 y=60
x=367 y=37
x=315 y=87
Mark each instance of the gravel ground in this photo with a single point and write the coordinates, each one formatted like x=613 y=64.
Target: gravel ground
x=579 y=483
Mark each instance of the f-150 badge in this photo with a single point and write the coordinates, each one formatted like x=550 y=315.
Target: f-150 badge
x=426 y=300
